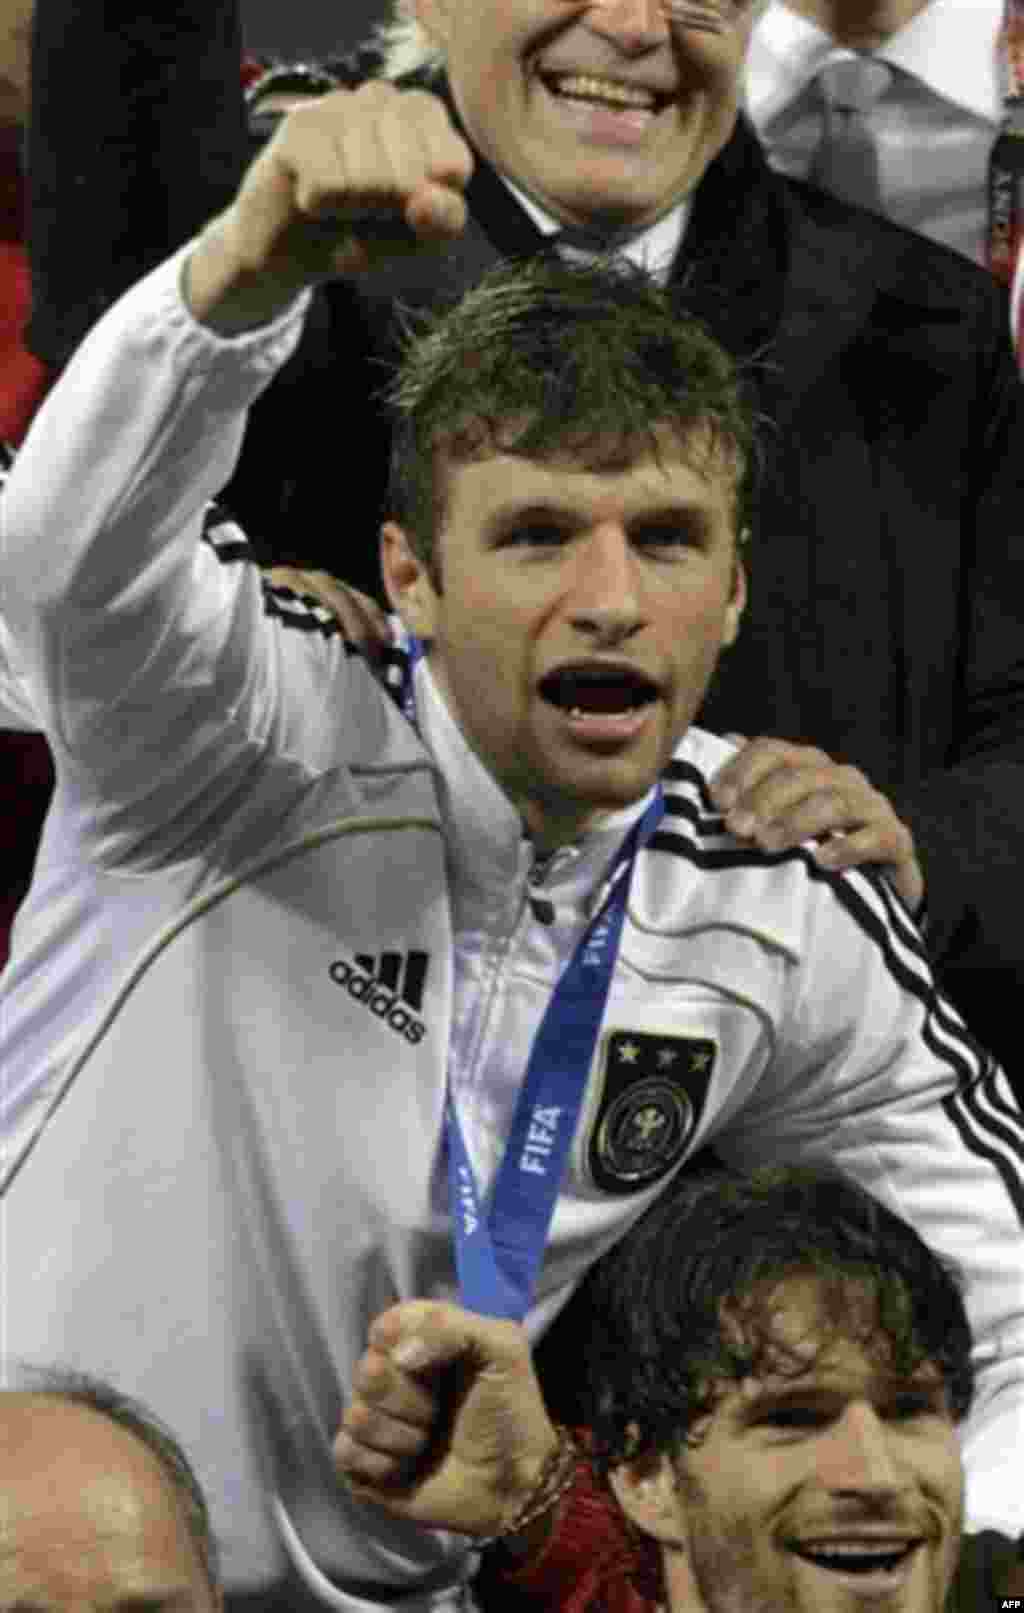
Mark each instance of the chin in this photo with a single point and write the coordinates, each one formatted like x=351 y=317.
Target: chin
x=615 y=793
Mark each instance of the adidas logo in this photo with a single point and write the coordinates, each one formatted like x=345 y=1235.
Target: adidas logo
x=389 y=986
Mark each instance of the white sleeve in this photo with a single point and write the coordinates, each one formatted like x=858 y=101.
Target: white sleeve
x=876 y=1071
x=146 y=652
x=17 y=710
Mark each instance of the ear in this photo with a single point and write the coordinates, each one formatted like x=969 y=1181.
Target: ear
x=407 y=582
x=645 y=1489
x=737 y=603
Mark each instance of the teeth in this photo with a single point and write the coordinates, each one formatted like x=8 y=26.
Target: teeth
x=604 y=89
x=577 y=711
x=863 y=1557
x=857 y=1548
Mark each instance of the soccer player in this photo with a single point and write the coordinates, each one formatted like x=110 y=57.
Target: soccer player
x=345 y=1000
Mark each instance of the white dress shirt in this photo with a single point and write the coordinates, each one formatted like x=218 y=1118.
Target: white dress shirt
x=935 y=125
x=654 y=249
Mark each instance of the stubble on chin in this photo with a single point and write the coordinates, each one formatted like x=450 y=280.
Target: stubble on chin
x=723 y=1561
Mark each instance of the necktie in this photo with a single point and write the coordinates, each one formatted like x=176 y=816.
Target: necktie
x=846 y=162
x=579 y=243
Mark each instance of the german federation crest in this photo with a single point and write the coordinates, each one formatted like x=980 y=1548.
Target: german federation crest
x=652 y=1094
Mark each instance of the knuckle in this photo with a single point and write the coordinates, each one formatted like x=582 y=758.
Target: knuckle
x=853 y=780
x=374 y=92
x=359 y=1420
x=372 y=1376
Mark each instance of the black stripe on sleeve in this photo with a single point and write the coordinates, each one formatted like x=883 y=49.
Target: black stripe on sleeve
x=987 y=1120
x=679 y=806
x=224 y=536
x=1000 y=1096
x=856 y=890
x=679 y=772
x=902 y=920
x=304 y=612
x=970 y=1111
x=898 y=943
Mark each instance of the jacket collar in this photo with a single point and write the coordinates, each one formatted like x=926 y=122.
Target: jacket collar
x=489 y=852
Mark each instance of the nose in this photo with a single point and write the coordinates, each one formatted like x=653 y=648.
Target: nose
x=857 y=1457
x=632 y=26
x=604 y=587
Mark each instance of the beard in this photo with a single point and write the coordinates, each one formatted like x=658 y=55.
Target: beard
x=724 y=1567
x=724 y=1571
x=722 y=1558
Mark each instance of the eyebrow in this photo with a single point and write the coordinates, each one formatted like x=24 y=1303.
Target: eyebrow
x=568 y=515
x=883 y=1388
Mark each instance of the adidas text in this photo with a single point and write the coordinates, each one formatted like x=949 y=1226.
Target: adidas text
x=364 y=989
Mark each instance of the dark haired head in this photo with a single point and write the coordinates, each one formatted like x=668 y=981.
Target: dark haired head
x=545 y=359
x=682 y=1307
x=97 y=1395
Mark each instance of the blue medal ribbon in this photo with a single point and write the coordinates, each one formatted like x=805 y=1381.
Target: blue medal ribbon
x=498 y=1252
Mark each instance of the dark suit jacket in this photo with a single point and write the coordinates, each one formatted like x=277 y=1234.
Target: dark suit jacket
x=886 y=619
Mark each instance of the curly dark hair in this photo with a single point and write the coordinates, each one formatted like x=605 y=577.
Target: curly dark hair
x=714 y=1253
x=543 y=358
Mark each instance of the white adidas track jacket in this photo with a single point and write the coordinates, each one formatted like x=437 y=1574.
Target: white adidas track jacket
x=270 y=918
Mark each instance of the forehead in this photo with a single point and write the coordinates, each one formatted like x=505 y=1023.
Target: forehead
x=600 y=480
x=84 y=1505
x=803 y=1346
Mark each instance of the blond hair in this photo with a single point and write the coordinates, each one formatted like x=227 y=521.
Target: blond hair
x=405 y=45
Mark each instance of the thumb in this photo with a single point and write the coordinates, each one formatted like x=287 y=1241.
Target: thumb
x=437 y=212
x=422 y=1335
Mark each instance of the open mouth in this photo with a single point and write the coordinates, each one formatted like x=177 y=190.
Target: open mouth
x=876 y=1565
x=592 y=90
x=598 y=691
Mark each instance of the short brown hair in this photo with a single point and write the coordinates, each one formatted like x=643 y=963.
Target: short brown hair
x=542 y=358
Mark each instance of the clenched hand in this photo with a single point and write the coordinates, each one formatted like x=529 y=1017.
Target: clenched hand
x=349 y=179
x=446 y=1425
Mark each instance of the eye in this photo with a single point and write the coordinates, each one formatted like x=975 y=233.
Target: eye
x=902 y=1408
x=535 y=535
x=672 y=539
x=792 y=1418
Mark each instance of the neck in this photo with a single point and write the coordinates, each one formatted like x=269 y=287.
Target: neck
x=859 y=24
x=549 y=830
